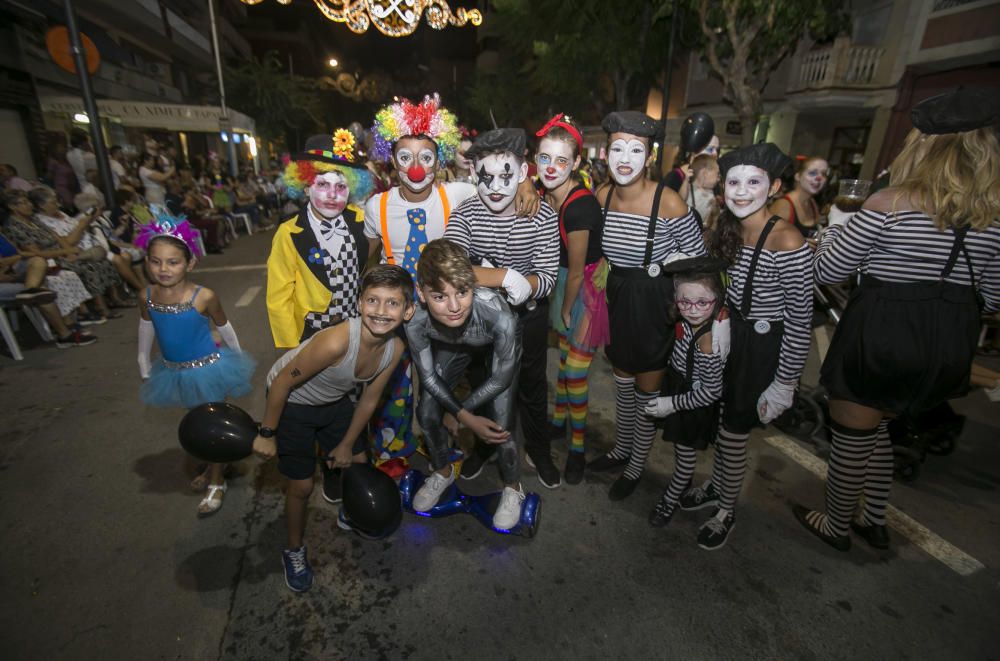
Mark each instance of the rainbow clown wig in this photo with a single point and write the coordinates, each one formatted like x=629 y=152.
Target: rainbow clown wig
x=426 y=119
x=329 y=153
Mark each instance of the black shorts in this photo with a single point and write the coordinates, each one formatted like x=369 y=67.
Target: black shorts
x=302 y=427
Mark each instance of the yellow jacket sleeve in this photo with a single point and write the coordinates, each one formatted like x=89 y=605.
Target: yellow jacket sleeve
x=282 y=270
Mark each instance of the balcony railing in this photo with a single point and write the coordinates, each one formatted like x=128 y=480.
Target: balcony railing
x=841 y=65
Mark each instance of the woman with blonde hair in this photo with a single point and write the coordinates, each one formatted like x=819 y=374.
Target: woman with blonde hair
x=928 y=249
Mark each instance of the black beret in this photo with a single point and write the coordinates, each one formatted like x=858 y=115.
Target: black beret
x=703 y=264
x=765 y=156
x=633 y=122
x=961 y=109
x=498 y=141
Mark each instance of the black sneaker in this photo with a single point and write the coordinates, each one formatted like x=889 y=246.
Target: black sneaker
x=662 y=513
x=575 y=464
x=810 y=519
x=548 y=474
x=332 y=488
x=91 y=319
x=474 y=462
x=714 y=532
x=557 y=432
x=876 y=536
x=622 y=488
x=75 y=339
x=607 y=463
x=697 y=498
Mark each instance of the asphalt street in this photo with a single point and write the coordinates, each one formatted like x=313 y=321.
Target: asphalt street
x=104 y=556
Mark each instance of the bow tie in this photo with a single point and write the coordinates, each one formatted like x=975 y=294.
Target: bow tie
x=327 y=228
x=416 y=216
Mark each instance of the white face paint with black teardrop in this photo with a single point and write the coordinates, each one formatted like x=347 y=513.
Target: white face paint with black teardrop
x=746 y=189
x=499 y=176
x=626 y=160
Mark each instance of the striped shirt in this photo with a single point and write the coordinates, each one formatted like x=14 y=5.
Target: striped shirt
x=907 y=247
x=530 y=246
x=624 y=239
x=782 y=291
x=706 y=377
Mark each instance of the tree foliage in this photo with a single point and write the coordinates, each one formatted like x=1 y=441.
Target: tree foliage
x=278 y=102
x=586 y=57
x=744 y=41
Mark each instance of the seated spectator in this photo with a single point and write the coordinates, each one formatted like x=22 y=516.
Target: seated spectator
x=9 y=178
x=51 y=230
x=153 y=179
x=27 y=277
x=188 y=205
x=122 y=256
x=59 y=172
x=246 y=200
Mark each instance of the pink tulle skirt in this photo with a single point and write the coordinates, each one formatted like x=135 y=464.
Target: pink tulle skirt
x=589 y=315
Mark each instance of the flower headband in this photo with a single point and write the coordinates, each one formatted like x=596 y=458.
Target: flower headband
x=561 y=121
x=405 y=118
x=163 y=224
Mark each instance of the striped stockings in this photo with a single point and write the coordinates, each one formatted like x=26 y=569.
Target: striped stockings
x=571 y=390
x=624 y=416
x=645 y=433
x=729 y=467
x=684 y=463
x=854 y=456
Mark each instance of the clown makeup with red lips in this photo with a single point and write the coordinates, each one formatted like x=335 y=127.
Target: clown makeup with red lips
x=499 y=176
x=556 y=162
x=328 y=194
x=627 y=156
x=415 y=159
x=813 y=177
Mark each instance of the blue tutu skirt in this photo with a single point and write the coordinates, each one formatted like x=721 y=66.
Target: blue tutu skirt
x=189 y=387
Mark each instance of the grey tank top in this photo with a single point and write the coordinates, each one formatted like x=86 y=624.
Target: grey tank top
x=335 y=381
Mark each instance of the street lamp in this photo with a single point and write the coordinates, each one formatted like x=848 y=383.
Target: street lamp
x=333 y=62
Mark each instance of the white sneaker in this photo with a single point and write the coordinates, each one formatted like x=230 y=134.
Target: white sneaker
x=509 y=510
x=427 y=495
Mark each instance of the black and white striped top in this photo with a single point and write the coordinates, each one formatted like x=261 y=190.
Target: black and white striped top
x=706 y=377
x=624 y=239
x=906 y=247
x=782 y=291
x=530 y=246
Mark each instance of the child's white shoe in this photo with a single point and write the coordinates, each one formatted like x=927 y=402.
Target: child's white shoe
x=212 y=502
x=509 y=510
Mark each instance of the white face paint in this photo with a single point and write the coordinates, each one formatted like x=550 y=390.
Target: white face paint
x=415 y=162
x=712 y=148
x=461 y=162
x=328 y=194
x=695 y=301
x=555 y=162
x=499 y=176
x=626 y=159
x=746 y=189
x=814 y=177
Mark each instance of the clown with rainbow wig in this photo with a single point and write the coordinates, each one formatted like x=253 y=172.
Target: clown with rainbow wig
x=317 y=255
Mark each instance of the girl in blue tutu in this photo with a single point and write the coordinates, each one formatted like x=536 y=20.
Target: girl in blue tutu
x=193 y=370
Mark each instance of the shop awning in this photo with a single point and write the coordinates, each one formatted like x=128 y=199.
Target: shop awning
x=165 y=116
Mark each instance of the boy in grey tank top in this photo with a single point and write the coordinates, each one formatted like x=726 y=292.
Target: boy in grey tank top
x=307 y=402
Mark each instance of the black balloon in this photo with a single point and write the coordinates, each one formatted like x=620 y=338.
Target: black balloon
x=371 y=501
x=697 y=132
x=217 y=432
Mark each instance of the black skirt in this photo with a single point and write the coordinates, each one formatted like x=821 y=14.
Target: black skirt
x=694 y=428
x=640 y=319
x=903 y=347
x=750 y=369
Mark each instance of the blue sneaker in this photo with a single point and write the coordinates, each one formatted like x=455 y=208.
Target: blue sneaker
x=298 y=573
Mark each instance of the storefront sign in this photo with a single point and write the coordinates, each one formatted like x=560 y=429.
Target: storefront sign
x=168 y=116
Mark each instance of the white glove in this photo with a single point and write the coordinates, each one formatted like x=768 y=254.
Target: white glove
x=146 y=335
x=517 y=287
x=660 y=407
x=228 y=335
x=720 y=338
x=774 y=401
x=838 y=218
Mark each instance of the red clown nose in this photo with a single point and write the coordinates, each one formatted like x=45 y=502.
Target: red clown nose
x=416 y=174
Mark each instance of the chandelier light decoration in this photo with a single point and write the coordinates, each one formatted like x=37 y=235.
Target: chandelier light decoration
x=395 y=18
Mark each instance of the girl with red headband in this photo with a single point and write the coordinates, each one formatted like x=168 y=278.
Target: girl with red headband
x=579 y=312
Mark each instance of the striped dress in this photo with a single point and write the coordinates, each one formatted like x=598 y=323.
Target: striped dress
x=624 y=239
x=782 y=291
x=907 y=247
x=706 y=376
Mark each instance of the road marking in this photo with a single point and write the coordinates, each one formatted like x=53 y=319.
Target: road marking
x=953 y=557
x=248 y=296
x=238 y=267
